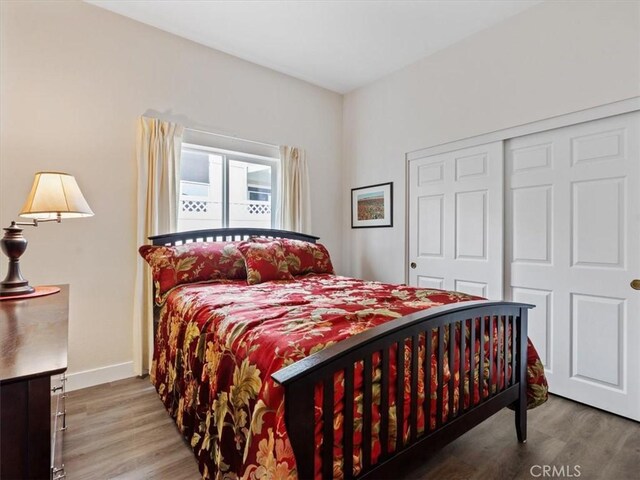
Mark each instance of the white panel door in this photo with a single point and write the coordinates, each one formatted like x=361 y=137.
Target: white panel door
x=456 y=221
x=573 y=248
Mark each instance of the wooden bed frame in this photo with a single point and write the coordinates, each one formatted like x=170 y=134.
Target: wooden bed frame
x=300 y=379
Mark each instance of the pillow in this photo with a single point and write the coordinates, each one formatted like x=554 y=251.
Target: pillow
x=264 y=261
x=306 y=257
x=192 y=262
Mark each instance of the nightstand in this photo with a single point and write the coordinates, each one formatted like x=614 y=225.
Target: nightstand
x=33 y=355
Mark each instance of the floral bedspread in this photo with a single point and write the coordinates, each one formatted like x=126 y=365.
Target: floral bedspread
x=218 y=344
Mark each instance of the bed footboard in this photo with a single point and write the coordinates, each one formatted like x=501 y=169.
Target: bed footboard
x=428 y=328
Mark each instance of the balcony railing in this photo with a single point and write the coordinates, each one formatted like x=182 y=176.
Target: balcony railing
x=200 y=212
x=189 y=206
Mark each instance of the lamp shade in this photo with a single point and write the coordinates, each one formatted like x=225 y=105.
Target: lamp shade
x=55 y=194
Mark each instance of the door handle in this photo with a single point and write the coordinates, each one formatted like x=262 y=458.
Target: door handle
x=413 y=265
x=635 y=284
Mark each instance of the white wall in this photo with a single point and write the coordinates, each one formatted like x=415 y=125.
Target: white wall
x=74 y=79
x=554 y=58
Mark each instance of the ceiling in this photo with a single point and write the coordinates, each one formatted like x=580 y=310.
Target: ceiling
x=338 y=45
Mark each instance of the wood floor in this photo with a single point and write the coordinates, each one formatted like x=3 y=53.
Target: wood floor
x=121 y=431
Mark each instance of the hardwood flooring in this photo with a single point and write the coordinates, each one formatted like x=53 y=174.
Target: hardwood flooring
x=122 y=431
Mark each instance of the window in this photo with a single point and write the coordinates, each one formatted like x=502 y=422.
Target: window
x=257 y=193
x=222 y=188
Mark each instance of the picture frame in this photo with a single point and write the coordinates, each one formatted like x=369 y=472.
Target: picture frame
x=372 y=206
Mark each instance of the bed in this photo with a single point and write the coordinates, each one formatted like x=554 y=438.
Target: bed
x=300 y=376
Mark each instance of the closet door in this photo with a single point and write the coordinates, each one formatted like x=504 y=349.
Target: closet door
x=573 y=249
x=456 y=221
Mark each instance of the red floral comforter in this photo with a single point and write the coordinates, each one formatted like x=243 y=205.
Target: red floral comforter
x=218 y=344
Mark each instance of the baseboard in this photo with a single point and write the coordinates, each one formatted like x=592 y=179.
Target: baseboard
x=97 y=376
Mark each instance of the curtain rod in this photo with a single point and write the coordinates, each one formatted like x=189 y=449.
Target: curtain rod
x=232 y=137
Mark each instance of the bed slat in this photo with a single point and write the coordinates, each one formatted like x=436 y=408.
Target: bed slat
x=428 y=341
x=521 y=407
x=400 y=395
x=347 y=450
x=413 y=416
x=440 y=401
x=491 y=379
x=327 y=435
x=461 y=367
x=506 y=352
x=513 y=350
x=384 y=403
x=482 y=354
x=452 y=366
x=472 y=362
x=498 y=353
x=366 y=417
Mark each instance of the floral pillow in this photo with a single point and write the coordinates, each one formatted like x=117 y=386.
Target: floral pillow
x=264 y=261
x=192 y=262
x=306 y=257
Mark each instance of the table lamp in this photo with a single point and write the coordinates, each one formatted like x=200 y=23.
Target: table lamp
x=53 y=196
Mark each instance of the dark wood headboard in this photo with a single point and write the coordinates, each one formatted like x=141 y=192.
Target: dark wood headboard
x=227 y=235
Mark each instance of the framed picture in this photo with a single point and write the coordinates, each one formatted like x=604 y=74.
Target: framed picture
x=372 y=206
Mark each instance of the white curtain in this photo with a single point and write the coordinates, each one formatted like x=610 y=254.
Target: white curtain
x=158 y=153
x=294 y=204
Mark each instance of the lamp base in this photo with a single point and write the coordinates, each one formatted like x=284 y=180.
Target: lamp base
x=12 y=291
x=13 y=244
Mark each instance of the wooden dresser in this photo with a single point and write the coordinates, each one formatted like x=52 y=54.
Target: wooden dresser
x=33 y=355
